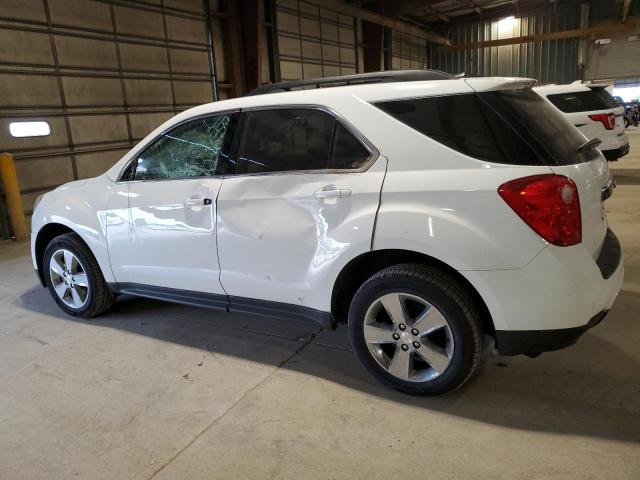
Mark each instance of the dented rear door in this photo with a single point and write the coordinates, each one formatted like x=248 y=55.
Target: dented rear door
x=281 y=235
x=278 y=236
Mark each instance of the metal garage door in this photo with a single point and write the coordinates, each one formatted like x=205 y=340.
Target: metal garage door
x=314 y=41
x=618 y=59
x=103 y=73
x=407 y=52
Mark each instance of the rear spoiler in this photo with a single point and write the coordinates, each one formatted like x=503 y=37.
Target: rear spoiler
x=591 y=85
x=493 y=84
x=594 y=142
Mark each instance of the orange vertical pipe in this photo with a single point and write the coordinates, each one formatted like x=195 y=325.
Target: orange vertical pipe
x=14 y=200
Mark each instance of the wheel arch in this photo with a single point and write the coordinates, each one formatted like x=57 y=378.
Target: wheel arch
x=360 y=268
x=47 y=233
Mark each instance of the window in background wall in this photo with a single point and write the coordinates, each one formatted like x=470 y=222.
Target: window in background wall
x=627 y=88
x=29 y=129
x=627 y=93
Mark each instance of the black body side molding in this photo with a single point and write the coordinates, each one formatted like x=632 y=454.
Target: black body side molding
x=186 y=297
x=231 y=304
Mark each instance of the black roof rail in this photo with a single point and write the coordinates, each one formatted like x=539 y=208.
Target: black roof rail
x=358 y=79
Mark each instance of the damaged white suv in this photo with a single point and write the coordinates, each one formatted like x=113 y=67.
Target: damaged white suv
x=425 y=211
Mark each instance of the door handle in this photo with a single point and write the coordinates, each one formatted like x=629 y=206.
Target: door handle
x=196 y=201
x=332 y=193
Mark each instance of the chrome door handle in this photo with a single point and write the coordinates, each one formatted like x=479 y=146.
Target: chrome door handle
x=196 y=201
x=332 y=193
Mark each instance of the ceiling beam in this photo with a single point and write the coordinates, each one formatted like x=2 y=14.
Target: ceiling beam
x=466 y=5
x=473 y=5
x=415 y=8
x=598 y=30
x=494 y=13
x=380 y=19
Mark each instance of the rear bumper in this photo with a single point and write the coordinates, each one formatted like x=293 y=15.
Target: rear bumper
x=616 y=153
x=536 y=341
x=551 y=302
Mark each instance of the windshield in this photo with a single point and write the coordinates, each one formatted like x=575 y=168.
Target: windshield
x=541 y=125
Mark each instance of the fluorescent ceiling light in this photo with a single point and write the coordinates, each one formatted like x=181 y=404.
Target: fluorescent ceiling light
x=506 y=24
x=29 y=129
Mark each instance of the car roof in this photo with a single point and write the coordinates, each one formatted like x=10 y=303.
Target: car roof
x=388 y=76
x=374 y=92
x=333 y=98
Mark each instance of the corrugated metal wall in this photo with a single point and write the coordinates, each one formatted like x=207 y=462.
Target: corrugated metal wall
x=102 y=73
x=549 y=62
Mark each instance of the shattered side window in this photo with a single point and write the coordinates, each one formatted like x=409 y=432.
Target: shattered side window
x=189 y=151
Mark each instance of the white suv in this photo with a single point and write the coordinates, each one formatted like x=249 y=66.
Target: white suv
x=593 y=110
x=426 y=212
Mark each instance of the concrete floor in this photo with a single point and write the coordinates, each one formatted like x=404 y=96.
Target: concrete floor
x=154 y=390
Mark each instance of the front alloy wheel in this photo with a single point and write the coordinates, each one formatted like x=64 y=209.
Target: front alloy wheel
x=69 y=278
x=74 y=278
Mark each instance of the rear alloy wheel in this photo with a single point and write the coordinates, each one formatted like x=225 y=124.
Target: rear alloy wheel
x=408 y=337
x=416 y=329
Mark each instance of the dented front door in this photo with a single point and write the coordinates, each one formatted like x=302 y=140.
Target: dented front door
x=283 y=236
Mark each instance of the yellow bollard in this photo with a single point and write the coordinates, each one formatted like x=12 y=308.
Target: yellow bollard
x=14 y=200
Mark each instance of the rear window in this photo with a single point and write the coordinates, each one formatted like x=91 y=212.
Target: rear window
x=516 y=127
x=594 y=99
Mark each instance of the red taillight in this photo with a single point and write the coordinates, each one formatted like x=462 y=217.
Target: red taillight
x=608 y=120
x=549 y=204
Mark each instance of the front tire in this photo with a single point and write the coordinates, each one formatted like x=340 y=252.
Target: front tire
x=416 y=329
x=74 y=278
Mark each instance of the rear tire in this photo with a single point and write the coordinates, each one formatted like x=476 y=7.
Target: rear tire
x=416 y=329
x=74 y=278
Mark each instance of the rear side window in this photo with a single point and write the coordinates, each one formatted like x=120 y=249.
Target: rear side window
x=465 y=124
x=348 y=152
x=282 y=140
x=542 y=126
x=594 y=99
